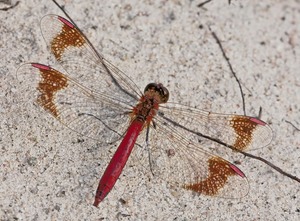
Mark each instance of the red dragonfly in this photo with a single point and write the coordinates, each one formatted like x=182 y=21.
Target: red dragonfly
x=107 y=102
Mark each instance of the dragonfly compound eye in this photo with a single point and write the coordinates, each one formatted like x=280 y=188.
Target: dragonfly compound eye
x=162 y=91
x=150 y=87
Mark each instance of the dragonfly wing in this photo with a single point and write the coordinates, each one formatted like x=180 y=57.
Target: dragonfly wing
x=87 y=112
x=185 y=164
x=241 y=132
x=100 y=104
x=83 y=63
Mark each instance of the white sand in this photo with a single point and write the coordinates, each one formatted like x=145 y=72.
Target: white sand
x=47 y=175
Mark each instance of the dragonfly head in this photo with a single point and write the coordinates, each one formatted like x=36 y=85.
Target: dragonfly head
x=160 y=89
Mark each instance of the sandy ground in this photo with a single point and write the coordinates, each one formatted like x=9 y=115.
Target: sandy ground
x=50 y=173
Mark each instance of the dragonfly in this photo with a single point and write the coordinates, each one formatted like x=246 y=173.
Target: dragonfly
x=97 y=100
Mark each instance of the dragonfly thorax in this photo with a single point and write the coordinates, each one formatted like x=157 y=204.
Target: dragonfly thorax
x=146 y=109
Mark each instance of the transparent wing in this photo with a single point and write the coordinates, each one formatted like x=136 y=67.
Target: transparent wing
x=178 y=160
x=177 y=156
x=97 y=106
x=241 y=132
x=83 y=63
x=90 y=113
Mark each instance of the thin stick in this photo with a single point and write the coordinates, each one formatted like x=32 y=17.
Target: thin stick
x=203 y=3
x=231 y=69
x=10 y=7
x=293 y=125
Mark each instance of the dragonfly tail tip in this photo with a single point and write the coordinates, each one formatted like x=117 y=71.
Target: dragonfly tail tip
x=96 y=202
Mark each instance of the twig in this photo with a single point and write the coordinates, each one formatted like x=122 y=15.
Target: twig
x=203 y=3
x=293 y=125
x=231 y=69
x=10 y=7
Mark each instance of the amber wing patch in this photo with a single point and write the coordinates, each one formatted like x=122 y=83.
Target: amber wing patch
x=219 y=172
x=244 y=128
x=51 y=82
x=69 y=36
